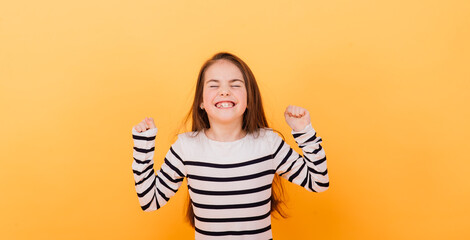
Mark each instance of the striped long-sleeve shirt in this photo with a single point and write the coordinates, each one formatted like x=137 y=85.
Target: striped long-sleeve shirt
x=229 y=182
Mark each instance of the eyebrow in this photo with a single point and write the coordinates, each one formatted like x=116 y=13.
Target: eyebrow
x=231 y=81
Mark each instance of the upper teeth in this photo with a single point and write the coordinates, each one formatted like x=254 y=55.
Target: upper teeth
x=225 y=104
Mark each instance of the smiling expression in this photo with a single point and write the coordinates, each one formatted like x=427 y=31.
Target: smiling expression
x=224 y=94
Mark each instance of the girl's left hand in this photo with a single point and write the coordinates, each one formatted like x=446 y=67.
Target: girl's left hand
x=297 y=118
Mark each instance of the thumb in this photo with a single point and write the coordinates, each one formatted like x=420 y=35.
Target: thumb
x=150 y=122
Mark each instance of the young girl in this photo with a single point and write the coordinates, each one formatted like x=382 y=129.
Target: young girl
x=231 y=156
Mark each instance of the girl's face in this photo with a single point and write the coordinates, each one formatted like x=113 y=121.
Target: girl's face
x=224 y=94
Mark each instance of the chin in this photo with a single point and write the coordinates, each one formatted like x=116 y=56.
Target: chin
x=226 y=120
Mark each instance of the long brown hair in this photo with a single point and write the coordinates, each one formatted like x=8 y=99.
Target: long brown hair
x=254 y=118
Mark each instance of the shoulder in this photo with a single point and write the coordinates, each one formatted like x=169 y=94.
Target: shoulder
x=188 y=137
x=185 y=143
x=267 y=134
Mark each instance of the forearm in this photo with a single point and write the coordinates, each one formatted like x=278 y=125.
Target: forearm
x=142 y=167
x=314 y=156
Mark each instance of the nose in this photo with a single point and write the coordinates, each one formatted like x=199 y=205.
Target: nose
x=224 y=92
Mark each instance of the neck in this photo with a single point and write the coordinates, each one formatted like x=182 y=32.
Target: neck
x=225 y=132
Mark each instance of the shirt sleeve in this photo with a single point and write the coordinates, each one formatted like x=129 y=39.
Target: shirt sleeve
x=308 y=171
x=155 y=190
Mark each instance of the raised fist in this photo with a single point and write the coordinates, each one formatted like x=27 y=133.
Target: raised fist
x=145 y=125
x=297 y=118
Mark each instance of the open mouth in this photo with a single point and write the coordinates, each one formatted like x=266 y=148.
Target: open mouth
x=226 y=104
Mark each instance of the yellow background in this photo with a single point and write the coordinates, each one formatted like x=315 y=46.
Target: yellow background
x=387 y=84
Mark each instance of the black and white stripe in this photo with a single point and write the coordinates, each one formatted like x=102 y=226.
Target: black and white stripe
x=310 y=170
x=154 y=191
x=230 y=185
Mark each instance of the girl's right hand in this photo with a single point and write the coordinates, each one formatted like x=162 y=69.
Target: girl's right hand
x=145 y=125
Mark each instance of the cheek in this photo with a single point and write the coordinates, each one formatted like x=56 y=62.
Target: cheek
x=207 y=97
x=243 y=96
